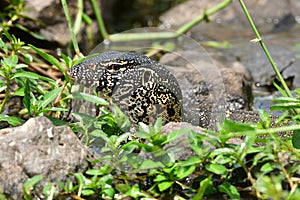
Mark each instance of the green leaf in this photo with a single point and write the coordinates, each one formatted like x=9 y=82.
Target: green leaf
x=204 y=184
x=90 y=98
x=158 y=125
x=34 y=34
x=87 y=192
x=282 y=91
x=143 y=135
x=160 y=178
x=230 y=190
x=265 y=118
x=29 y=185
x=14 y=121
x=123 y=188
x=231 y=126
x=185 y=171
x=3 y=46
x=31 y=75
x=190 y=161
x=216 y=168
x=51 y=59
x=149 y=164
x=296 y=139
x=54 y=109
x=165 y=185
x=49 y=98
x=178 y=133
x=26 y=99
x=144 y=128
x=110 y=192
x=267 y=167
x=49 y=190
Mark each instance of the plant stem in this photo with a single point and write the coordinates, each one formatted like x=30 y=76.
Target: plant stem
x=265 y=131
x=6 y=94
x=184 y=28
x=121 y=37
x=99 y=19
x=258 y=38
x=67 y=14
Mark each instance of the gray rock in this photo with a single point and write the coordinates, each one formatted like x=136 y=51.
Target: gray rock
x=276 y=15
x=38 y=147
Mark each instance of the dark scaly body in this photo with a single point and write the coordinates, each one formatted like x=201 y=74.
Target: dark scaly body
x=141 y=87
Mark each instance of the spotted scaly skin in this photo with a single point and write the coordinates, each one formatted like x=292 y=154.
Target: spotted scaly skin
x=142 y=88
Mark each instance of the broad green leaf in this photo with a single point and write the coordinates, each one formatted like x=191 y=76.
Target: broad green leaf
x=14 y=121
x=87 y=192
x=216 y=168
x=98 y=133
x=99 y=172
x=123 y=188
x=219 y=151
x=231 y=126
x=149 y=164
x=142 y=134
x=230 y=190
x=110 y=192
x=19 y=92
x=296 y=139
x=160 y=178
x=190 y=161
x=185 y=171
x=2 y=88
x=268 y=167
x=90 y=98
x=176 y=134
x=144 y=128
x=165 y=185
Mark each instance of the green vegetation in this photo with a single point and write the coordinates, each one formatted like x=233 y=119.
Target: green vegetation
x=149 y=169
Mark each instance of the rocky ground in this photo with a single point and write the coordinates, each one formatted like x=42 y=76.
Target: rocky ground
x=38 y=147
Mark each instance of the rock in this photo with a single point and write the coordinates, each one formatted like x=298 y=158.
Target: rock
x=211 y=85
x=276 y=15
x=50 y=22
x=38 y=147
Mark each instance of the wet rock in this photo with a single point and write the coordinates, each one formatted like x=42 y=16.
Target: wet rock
x=38 y=147
x=50 y=22
x=276 y=15
x=208 y=85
